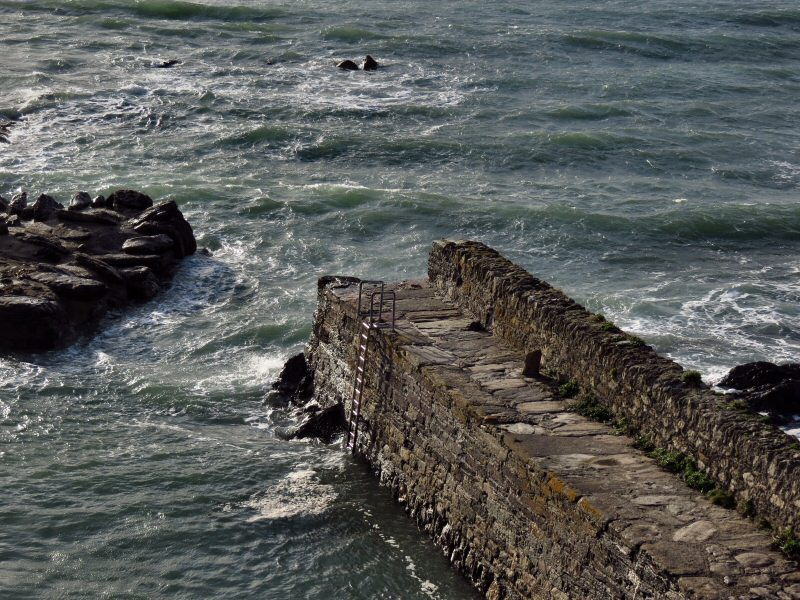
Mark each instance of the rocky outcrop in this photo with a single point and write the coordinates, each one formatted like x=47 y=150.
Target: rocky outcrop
x=61 y=269
x=370 y=64
x=767 y=387
x=347 y=65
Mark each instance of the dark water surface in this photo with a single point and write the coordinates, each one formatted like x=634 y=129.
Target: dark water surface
x=643 y=156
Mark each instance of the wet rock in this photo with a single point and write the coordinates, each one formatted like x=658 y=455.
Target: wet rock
x=166 y=218
x=129 y=200
x=80 y=201
x=99 y=201
x=18 y=203
x=767 y=387
x=30 y=324
x=142 y=283
x=148 y=244
x=370 y=64
x=45 y=207
x=3 y=204
x=67 y=269
x=324 y=425
x=347 y=65
x=294 y=371
x=166 y=64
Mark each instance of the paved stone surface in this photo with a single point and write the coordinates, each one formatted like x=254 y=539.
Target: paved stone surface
x=611 y=523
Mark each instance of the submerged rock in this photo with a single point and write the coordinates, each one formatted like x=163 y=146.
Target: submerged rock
x=324 y=425
x=370 y=64
x=61 y=272
x=348 y=65
x=767 y=387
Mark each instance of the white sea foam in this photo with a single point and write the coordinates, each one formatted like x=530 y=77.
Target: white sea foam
x=299 y=494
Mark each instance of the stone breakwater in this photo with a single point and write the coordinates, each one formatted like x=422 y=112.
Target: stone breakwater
x=464 y=419
x=63 y=268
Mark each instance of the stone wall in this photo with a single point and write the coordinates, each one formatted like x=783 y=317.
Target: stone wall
x=757 y=462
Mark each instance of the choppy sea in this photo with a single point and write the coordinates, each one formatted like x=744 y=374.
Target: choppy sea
x=642 y=156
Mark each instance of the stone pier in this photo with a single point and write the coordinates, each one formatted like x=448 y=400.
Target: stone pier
x=465 y=420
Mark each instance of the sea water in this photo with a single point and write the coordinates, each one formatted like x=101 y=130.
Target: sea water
x=642 y=156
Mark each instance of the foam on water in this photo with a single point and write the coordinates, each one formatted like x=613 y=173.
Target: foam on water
x=645 y=161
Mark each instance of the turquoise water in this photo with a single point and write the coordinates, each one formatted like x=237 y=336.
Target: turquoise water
x=643 y=156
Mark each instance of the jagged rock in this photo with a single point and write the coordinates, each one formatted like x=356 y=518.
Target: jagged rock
x=294 y=370
x=71 y=286
x=325 y=425
x=18 y=203
x=370 y=64
x=99 y=267
x=45 y=207
x=3 y=204
x=31 y=324
x=148 y=244
x=80 y=201
x=65 y=271
x=767 y=387
x=348 y=65
x=129 y=200
x=166 y=218
x=166 y=64
x=101 y=216
x=99 y=201
x=142 y=283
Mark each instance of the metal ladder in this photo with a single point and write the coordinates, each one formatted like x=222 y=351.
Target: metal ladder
x=368 y=321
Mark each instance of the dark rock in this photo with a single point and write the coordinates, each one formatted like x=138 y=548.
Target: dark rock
x=99 y=267
x=100 y=216
x=325 y=425
x=294 y=370
x=18 y=203
x=45 y=208
x=31 y=324
x=131 y=260
x=142 y=283
x=3 y=204
x=167 y=218
x=52 y=246
x=70 y=286
x=166 y=64
x=348 y=65
x=99 y=202
x=370 y=64
x=26 y=214
x=3 y=227
x=148 y=244
x=129 y=200
x=80 y=201
x=767 y=387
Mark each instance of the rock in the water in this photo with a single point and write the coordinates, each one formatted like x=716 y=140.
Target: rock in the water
x=3 y=204
x=370 y=64
x=325 y=425
x=147 y=244
x=18 y=203
x=166 y=64
x=348 y=65
x=31 y=324
x=142 y=283
x=167 y=218
x=80 y=201
x=767 y=387
x=45 y=207
x=294 y=370
x=99 y=267
x=129 y=200
x=99 y=201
